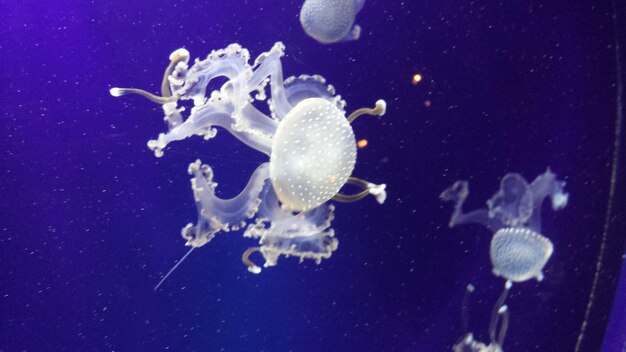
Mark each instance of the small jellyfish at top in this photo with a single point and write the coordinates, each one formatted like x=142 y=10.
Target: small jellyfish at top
x=498 y=325
x=518 y=250
x=331 y=21
x=305 y=133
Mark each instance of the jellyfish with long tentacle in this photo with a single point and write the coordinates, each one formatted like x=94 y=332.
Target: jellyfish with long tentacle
x=305 y=133
x=518 y=250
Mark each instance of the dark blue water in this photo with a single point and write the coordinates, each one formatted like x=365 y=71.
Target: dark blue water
x=90 y=219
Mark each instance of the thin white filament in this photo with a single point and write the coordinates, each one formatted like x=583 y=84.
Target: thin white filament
x=173 y=268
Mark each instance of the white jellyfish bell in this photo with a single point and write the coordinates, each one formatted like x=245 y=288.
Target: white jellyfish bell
x=518 y=250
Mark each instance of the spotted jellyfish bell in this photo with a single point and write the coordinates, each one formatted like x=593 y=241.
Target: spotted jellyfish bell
x=519 y=254
x=331 y=21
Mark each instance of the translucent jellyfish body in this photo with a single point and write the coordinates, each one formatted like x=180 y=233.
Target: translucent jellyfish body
x=305 y=133
x=331 y=21
x=518 y=249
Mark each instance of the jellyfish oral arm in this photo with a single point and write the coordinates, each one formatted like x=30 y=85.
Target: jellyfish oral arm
x=216 y=214
x=268 y=65
x=499 y=309
x=204 y=120
x=305 y=235
x=457 y=194
x=544 y=186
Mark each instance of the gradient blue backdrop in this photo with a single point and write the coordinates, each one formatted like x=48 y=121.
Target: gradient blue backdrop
x=90 y=219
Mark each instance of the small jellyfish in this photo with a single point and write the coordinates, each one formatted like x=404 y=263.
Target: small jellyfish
x=305 y=134
x=331 y=21
x=518 y=250
x=499 y=318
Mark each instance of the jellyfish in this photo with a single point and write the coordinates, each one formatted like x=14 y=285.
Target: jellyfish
x=499 y=319
x=331 y=21
x=518 y=250
x=286 y=204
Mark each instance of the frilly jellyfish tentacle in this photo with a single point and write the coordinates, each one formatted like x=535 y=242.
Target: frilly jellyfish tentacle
x=216 y=214
x=304 y=87
x=231 y=62
x=178 y=56
x=305 y=235
x=368 y=188
x=207 y=117
x=546 y=185
x=268 y=65
x=457 y=194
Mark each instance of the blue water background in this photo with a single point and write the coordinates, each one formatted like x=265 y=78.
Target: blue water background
x=90 y=219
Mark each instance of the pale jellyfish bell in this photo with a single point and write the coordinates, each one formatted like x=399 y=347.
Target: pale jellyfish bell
x=331 y=21
x=306 y=135
x=518 y=250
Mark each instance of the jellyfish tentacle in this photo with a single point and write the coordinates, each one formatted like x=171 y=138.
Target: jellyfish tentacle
x=174 y=268
x=245 y=258
x=495 y=313
x=457 y=193
x=216 y=214
x=378 y=110
x=118 y=92
x=544 y=186
x=368 y=188
x=207 y=118
x=504 y=326
x=180 y=55
x=465 y=306
x=303 y=87
x=268 y=65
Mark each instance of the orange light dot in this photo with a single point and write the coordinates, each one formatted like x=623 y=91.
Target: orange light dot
x=427 y=103
x=417 y=78
x=362 y=143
